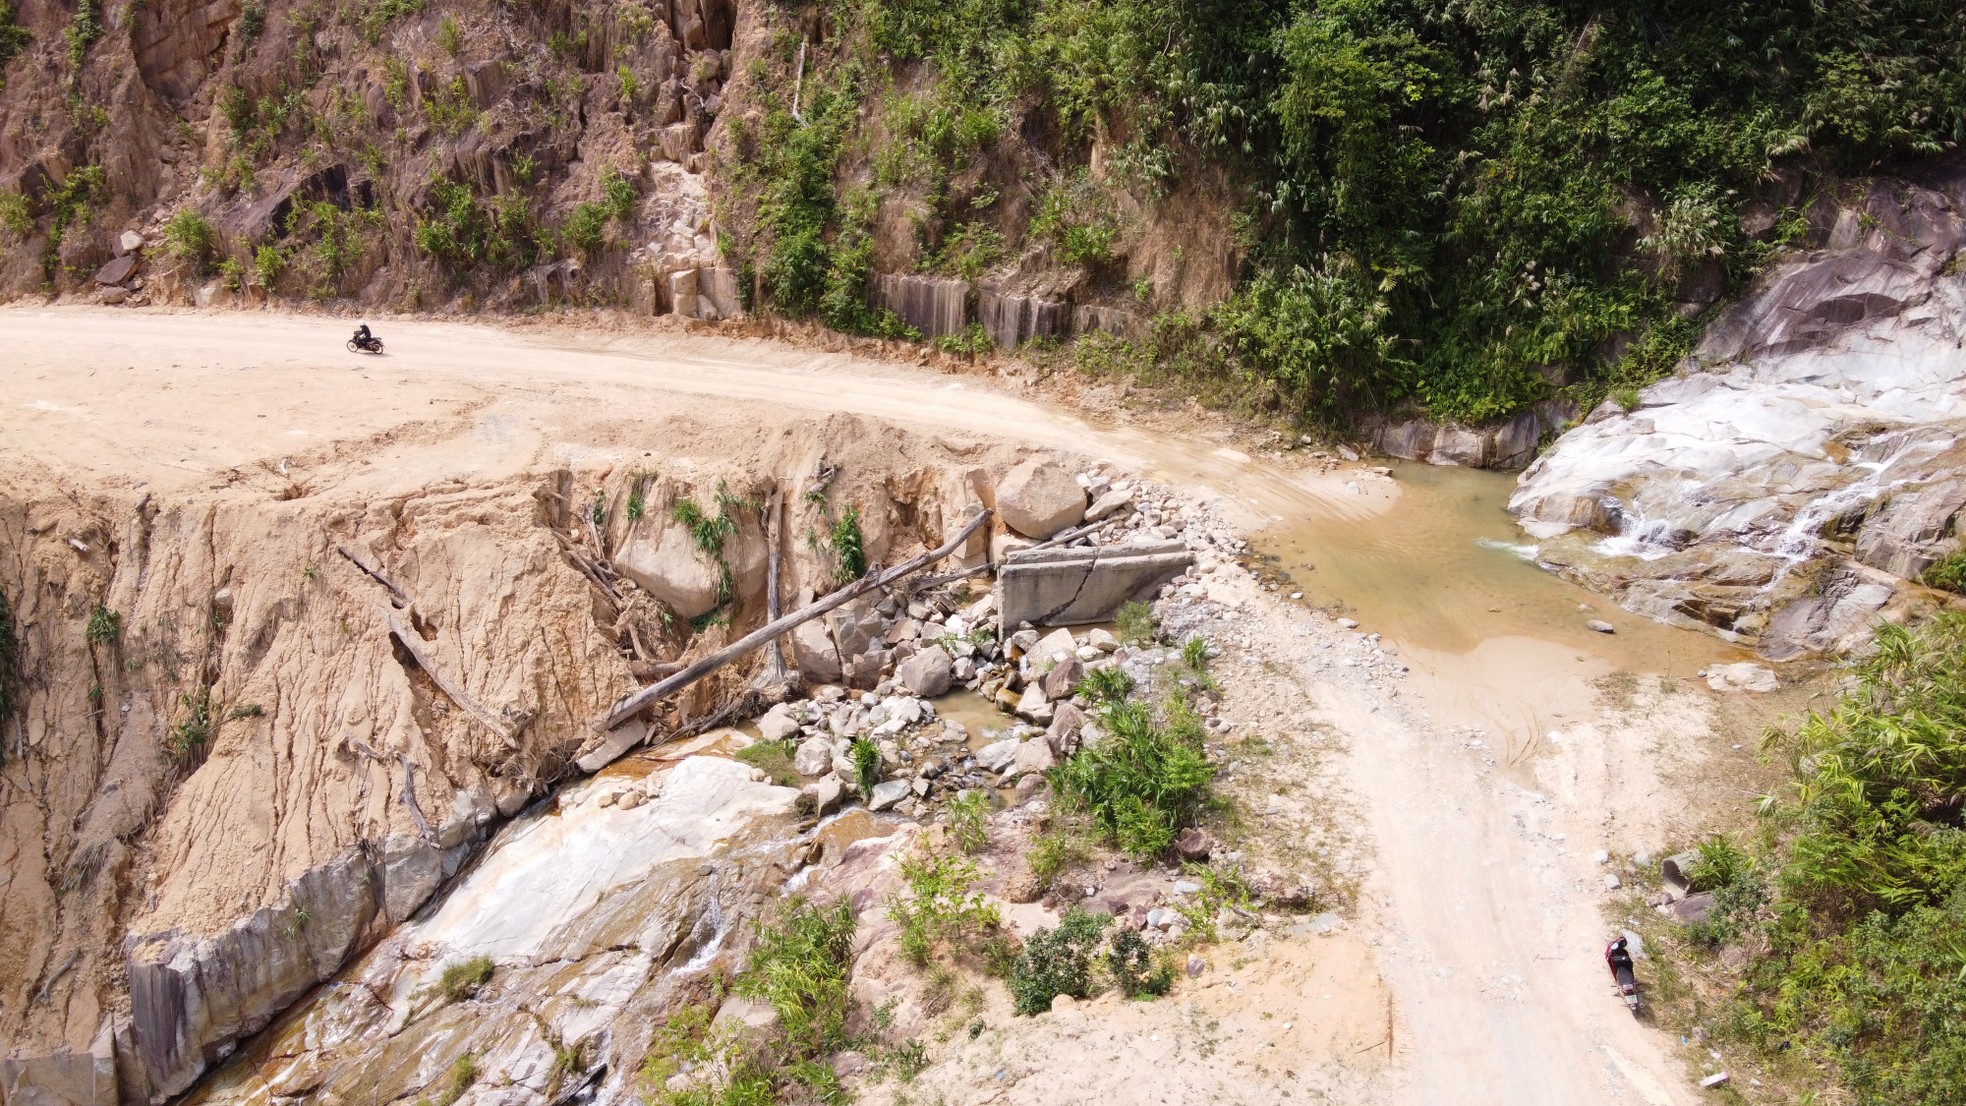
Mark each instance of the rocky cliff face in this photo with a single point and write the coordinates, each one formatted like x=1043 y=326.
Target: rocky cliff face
x=380 y=151
x=1806 y=461
x=261 y=724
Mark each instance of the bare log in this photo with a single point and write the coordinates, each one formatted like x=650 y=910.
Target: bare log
x=490 y=719
x=773 y=525
x=628 y=706
x=1065 y=538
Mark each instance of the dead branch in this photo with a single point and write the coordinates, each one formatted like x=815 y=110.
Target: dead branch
x=397 y=595
x=632 y=704
x=414 y=643
x=409 y=797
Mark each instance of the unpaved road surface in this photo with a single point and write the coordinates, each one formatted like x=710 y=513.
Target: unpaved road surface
x=1483 y=904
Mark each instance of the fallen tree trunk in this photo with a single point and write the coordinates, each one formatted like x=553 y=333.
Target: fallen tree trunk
x=629 y=706
x=774 y=522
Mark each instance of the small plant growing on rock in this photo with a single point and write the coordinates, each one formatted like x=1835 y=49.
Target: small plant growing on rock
x=105 y=625
x=192 y=239
x=966 y=821
x=638 y=495
x=189 y=734
x=941 y=909
x=462 y=979
x=1057 y=962
x=1948 y=574
x=449 y=39
x=1106 y=685
x=866 y=765
x=1135 y=624
x=463 y=1073
x=1220 y=888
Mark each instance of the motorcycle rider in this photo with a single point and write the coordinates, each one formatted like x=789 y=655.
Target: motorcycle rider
x=362 y=336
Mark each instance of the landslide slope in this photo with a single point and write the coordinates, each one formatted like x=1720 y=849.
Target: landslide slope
x=260 y=711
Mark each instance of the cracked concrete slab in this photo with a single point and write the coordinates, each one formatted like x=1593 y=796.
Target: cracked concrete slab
x=1073 y=587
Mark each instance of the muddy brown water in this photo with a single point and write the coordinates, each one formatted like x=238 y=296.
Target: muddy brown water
x=1446 y=567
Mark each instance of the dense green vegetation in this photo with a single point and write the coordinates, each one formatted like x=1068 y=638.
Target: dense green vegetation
x=799 y=966
x=1854 y=909
x=1465 y=205
x=1146 y=780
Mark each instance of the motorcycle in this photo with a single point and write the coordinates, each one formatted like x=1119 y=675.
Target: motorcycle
x=371 y=345
x=1620 y=960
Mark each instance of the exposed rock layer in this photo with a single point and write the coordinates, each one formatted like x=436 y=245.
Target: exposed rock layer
x=1804 y=460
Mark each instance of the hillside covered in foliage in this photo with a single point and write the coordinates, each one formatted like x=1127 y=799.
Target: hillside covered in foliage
x=1466 y=205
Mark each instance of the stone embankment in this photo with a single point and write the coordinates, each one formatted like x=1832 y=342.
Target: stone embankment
x=1805 y=461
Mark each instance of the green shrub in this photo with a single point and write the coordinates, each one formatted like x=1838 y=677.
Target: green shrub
x=966 y=820
x=449 y=39
x=192 y=239
x=381 y=13
x=463 y=979
x=1137 y=969
x=268 y=263
x=1135 y=624
x=941 y=909
x=105 y=625
x=1142 y=783
x=1076 y=220
x=451 y=110
x=13 y=37
x=83 y=29
x=586 y=227
x=849 y=555
x=617 y=193
x=799 y=964
x=463 y=233
x=867 y=766
x=1947 y=574
x=1057 y=961
x=16 y=218
x=251 y=23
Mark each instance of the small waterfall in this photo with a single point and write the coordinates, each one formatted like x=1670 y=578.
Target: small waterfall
x=1800 y=539
x=713 y=914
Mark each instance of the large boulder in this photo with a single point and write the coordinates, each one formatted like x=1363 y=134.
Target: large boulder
x=813 y=653
x=927 y=673
x=1039 y=498
x=669 y=567
x=814 y=757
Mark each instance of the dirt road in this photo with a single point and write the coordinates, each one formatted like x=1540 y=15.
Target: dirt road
x=1483 y=905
